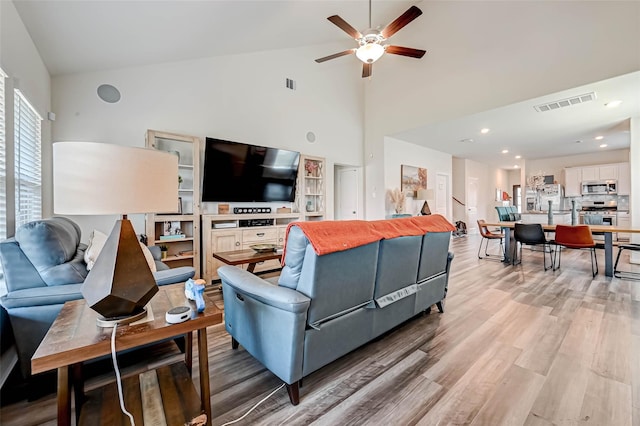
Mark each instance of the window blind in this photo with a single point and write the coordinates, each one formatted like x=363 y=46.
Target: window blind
x=3 y=162
x=28 y=171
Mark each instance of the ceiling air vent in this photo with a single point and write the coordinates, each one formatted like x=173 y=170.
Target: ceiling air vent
x=549 y=106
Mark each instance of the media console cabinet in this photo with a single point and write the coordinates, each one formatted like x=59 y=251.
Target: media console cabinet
x=228 y=232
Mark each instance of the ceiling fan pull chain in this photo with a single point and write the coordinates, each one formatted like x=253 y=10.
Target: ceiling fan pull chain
x=370 y=14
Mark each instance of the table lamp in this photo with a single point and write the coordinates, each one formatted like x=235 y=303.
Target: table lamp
x=102 y=179
x=425 y=194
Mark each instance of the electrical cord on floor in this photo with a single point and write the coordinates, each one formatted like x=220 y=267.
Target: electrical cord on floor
x=254 y=407
x=118 y=379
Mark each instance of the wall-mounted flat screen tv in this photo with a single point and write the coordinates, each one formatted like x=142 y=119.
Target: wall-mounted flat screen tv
x=239 y=172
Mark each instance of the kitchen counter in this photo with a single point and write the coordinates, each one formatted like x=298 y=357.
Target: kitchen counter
x=559 y=217
x=545 y=213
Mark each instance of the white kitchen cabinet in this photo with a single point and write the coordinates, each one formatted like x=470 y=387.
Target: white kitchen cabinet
x=572 y=181
x=591 y=173
x=624 y=179
x=600 y=172
x=608 y=172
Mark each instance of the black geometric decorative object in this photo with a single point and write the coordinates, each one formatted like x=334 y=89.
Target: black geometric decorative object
x=120 y=283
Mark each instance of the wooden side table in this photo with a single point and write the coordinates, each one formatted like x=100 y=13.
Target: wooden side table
x=75 y=338
x=252 y=257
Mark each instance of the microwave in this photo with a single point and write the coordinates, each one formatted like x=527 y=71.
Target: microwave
x=600 y=187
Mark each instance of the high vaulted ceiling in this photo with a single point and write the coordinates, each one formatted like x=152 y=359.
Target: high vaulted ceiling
x=93 y=35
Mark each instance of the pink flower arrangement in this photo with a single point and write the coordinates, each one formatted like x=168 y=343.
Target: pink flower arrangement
x=310 y=167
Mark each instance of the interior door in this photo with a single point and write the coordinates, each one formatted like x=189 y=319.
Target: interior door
x=441 y=193
x=472 y=205
x=347 y=193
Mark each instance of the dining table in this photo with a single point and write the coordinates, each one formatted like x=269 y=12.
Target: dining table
x=606 y=230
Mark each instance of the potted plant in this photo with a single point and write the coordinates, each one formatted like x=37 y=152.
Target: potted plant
x=163 y=251
x=179 y=181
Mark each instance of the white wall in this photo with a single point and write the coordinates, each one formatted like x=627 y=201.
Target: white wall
x=20 y=59
x=398 y=152
x=533 y=54
x=239 y=97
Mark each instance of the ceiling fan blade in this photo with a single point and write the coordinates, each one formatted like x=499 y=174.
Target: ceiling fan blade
x=344 y=26
x=336 y=55
x=405 y=51
x=366 y=70
x=412 y=13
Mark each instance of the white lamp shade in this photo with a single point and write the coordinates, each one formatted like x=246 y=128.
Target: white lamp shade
x=92 y=178
x=425 y=194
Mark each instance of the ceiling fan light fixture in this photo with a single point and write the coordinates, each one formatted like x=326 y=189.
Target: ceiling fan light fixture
x=370 y=52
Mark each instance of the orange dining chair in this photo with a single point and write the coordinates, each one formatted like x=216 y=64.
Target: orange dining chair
x=575 y=237
x=488 y=236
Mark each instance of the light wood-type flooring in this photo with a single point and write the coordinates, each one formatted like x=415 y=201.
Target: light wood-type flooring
x=515 y=346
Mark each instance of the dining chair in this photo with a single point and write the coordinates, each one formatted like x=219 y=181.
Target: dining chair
x=533 y=235
x=628 y=275
x=575 y=237
x=488 y=236
x=503 y=214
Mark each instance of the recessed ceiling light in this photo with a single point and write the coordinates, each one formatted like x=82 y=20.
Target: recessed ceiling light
x=613 y=104
x=518 y=157
x=604 y=145
x=599 y=138
x=468 y=140
x=578 y=141
x=515 y=166
x=505 y=151
x=485 y=131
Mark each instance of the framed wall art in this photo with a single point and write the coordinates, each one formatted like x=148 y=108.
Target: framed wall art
x=412 y=179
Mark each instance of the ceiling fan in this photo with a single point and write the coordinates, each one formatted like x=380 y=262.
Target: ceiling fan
x=370 y=41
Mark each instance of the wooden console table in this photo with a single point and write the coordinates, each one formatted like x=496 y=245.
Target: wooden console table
x=75 y=338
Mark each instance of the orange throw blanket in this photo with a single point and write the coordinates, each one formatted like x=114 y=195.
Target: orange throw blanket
x=330 y=236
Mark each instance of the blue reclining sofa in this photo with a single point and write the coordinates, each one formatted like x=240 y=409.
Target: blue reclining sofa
x=44 y=268
x=325 y=306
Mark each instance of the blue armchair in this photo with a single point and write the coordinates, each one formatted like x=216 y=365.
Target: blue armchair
x=44 y=268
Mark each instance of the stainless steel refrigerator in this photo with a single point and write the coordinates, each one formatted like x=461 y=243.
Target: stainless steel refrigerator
x=555 y=193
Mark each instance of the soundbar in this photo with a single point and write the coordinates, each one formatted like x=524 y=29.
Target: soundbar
x=249 y=210
x=255 y=222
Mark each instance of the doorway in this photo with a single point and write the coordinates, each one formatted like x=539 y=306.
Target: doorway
x=517 y=197
x=472 y=205
x=347 y=193
x=442 y=194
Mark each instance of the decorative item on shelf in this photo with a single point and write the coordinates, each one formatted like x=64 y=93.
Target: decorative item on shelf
x=574 y=213
x=310 y=167
x=264 y=248
x=223 y=208
x=179 y=181
x=179 y=205
x=398 y=198
x=310 y=206
x=283 y=210
x=164 y=250
x=550 y=213
x=116 y=180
